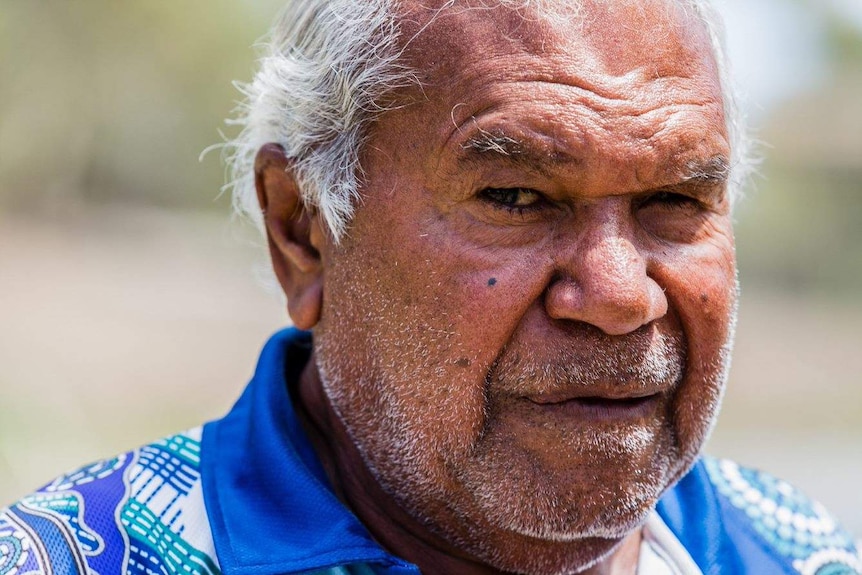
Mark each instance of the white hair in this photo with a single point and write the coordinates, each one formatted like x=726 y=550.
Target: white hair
x=327 y=67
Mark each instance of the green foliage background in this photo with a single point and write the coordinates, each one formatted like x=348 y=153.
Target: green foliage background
x=105 y=101
x=801 y=228
x=113 y=102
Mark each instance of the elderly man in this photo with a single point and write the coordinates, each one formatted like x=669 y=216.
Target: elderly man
x=505 y=229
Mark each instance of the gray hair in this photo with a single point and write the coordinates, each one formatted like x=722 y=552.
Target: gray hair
x=322 y=81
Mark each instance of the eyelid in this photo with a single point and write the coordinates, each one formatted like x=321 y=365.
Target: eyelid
x=487 y=195
x=536 y=209
x=704 y=194
x=668 y=194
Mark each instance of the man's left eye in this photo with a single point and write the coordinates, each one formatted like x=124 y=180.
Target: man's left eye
x=511 y=198
x=670 y=200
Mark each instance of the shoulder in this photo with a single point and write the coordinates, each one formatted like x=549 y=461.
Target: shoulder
x=758 y=523
x=141 y=512
x=785 y=519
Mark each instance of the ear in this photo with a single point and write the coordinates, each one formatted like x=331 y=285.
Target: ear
x=294 y=233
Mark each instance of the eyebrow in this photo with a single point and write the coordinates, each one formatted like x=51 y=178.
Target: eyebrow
x=494 y=143
x=715 y=170
x=499 y=145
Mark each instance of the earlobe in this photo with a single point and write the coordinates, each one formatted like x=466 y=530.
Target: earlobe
x=293 y=234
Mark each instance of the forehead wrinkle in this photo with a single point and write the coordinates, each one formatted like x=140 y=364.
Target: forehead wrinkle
x=559 y=59
x=599 y=102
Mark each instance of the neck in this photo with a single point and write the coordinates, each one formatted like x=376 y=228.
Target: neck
x=393 y=527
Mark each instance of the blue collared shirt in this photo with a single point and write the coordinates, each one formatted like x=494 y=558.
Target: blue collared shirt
x=270 y=505
x=246 y=495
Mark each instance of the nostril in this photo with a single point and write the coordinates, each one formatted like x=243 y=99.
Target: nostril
x=603 y=280
x=613 y=308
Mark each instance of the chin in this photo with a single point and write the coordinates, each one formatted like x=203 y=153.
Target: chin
x=607 y=513
x=614 y=528
x=547 y=552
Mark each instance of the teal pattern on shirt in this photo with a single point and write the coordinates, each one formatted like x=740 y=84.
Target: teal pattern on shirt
x=141 y=513
x=796 y=527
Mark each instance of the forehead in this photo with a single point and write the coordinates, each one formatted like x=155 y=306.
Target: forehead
x=606 y=46
x=633 y=81
x=597 y=38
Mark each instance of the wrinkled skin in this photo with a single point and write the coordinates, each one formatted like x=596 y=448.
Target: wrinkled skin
x=522 y=341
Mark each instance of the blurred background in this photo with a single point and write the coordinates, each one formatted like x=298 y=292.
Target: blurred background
x=132 y=305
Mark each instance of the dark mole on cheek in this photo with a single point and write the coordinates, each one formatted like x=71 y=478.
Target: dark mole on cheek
x=463 y=362
x=704 y=298
x=492 y=281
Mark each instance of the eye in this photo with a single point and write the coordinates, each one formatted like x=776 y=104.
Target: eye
x=674 y=216
x=512 y=198
x=670 y=200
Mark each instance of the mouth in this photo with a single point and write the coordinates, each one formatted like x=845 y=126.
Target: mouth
x=599 y=408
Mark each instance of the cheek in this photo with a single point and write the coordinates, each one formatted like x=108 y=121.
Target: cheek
x=701 y=287
x=700 y=282
x=494 y=300
x=707 y=299
x=448 y=280
x=444 y=310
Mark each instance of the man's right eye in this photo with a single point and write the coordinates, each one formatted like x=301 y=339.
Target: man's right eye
x=515 y=199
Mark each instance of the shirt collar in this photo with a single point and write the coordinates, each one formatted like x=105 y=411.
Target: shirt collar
x=659 y=544
x=271 y=510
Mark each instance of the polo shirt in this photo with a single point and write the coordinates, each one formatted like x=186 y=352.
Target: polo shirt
x=246 y=495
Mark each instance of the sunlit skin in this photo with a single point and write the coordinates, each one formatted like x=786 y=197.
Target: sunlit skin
x=522 y=340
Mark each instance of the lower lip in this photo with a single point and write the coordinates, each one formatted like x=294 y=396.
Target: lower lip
x=601 y=409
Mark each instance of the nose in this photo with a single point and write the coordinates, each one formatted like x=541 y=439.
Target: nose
x=605 y=283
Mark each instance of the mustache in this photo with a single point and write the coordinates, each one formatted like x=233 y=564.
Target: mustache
x=585 y=361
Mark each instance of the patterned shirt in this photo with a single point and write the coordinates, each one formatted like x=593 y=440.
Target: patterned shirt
x=246 y=495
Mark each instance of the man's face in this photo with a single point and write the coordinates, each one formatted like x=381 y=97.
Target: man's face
x=526 y=329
